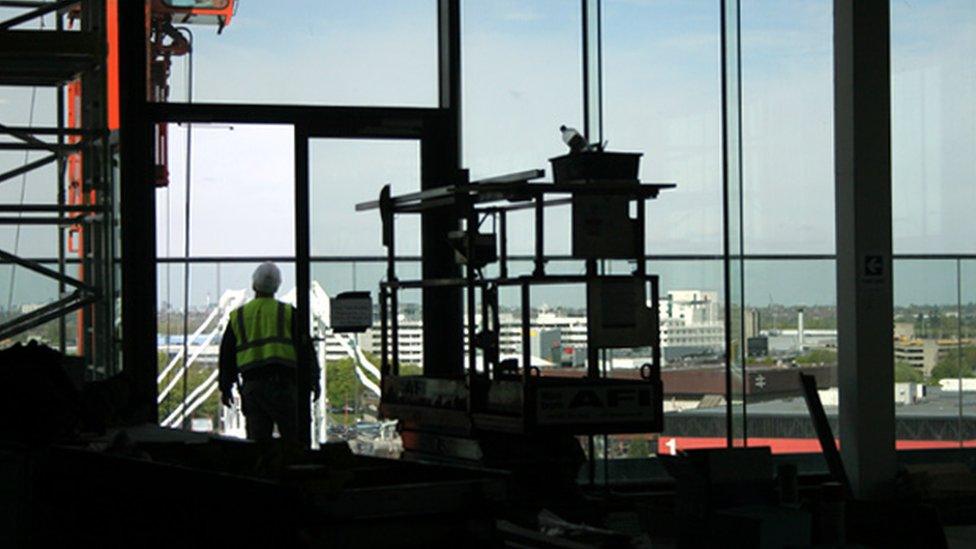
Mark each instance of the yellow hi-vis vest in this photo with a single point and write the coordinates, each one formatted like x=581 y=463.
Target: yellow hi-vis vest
x=262 y=329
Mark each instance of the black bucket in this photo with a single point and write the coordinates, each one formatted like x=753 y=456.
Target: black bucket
x=596 y=165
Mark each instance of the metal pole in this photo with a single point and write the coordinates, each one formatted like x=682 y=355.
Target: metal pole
x=384 y=349
x=726 y=244
x=540 y=260
x=302 y=276
x=303 y=279
x=502 y=244
x=592 y=40
x=61 y=166
x=959 y=344
x=526 y=344
x=186 y=266
x=471 y=228
x=592 y=352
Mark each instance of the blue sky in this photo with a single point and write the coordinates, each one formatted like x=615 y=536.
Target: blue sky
x=522 y=75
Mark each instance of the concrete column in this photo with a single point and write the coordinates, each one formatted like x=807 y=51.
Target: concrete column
x=862 y=149
x=138 y=222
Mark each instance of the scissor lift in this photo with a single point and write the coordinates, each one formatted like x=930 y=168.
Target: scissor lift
x=510 y=401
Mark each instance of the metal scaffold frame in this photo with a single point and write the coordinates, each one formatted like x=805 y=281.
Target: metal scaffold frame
x=75 y=63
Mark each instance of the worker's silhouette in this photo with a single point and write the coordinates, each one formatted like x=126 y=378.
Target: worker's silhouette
x=258 y=350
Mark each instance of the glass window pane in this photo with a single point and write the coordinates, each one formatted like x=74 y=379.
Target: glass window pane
x=933 y=126
x=522 y=79
x=242 y=191
x=215 y=290
x=787 y=126
x=789 y=327
x=927 y=357
x=967 y=397
x=344 y=173
x=522 y=73
x=382 y=52
x=662 y=98
x=693 y=348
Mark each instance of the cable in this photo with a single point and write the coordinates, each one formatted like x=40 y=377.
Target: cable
x=23 y=193
x=186 y=224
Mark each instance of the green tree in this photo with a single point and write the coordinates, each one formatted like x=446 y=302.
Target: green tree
x=639 y=448
x=410 y=370
x=906 y=373
x=198 y=373
x=818 y=356
x=949 y=365
x=341 y=383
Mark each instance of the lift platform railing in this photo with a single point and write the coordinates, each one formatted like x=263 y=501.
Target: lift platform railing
x=472 y=393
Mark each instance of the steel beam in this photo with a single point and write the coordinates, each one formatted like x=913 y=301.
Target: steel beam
x=321 y=122
x=46 y=313
x=303 y=285
x=48 y=208
x=44 y=271
x=440 y=165
x=41 y=146
x=38 y=11
x=46 y=130
x=29 y=167
x=47 y=58
x=45 y=221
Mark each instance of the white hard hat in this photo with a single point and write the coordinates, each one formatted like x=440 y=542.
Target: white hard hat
x=266 y=278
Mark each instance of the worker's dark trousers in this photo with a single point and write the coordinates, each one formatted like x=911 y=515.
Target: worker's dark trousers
x=266 y=403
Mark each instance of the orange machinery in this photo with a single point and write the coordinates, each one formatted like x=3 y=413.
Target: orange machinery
x=165 y=42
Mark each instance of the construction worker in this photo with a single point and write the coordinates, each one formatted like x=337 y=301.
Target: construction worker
x=259 y=349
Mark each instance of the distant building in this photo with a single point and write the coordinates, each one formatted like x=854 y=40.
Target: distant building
x=692 y=306
x=690 y=326
x=952 y=385
x=757 y=346
x=904 y=330
x=925 y=354
x=782 y=342
x=922 y=354
x=545 y=344
x=753 y=323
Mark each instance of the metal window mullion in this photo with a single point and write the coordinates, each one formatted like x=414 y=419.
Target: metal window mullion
x=592 y=46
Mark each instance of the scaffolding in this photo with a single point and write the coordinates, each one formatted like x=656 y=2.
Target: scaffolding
x=72 y=57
